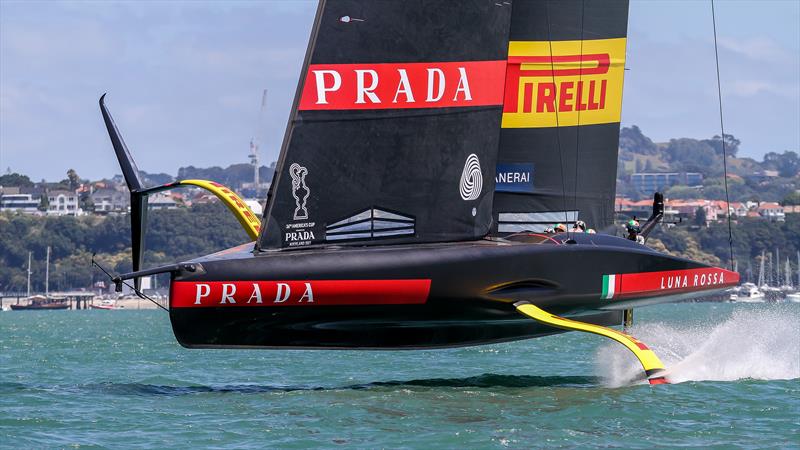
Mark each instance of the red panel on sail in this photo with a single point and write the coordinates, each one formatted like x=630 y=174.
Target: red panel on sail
x=403 y=85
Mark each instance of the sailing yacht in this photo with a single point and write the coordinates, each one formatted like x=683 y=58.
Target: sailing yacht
x=429 y=146
x=40 y=302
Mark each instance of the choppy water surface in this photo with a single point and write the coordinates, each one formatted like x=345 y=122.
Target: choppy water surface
x=119 y=379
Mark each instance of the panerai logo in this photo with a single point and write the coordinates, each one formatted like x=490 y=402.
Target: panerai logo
x=471 y=179
x=514 y=177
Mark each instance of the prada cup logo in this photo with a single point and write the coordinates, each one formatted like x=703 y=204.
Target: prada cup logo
x=300 y=191
x=471 y=179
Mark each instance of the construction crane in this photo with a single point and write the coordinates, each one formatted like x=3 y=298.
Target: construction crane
x=254 y=142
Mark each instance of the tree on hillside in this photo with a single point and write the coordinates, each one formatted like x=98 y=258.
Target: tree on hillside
x=631 y=139
x=731 y=144
x=791 y=199
x=787 y=164
x=700 y=216
x=691 y=155
x=44 y=202
x=15 y=180
x=73 y=180
x=155 y=179
x=681 y=192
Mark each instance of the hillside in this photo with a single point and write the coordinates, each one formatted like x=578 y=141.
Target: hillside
x=773 y=179
x=173 y=235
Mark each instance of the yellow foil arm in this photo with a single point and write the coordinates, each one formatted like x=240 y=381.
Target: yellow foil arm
x=243 y=213
x=650 y=362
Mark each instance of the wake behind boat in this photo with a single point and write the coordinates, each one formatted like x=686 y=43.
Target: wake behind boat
x=417 y=174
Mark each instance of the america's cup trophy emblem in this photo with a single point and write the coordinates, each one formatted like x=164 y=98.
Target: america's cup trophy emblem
x=300 y=191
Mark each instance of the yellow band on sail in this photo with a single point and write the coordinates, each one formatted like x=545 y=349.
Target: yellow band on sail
x=243 y=213
x=647 y=358
x=563 y=83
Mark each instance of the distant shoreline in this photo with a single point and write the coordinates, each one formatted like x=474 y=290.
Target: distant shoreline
x=134 y=303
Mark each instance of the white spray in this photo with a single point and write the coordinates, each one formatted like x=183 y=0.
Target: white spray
x=757 y=343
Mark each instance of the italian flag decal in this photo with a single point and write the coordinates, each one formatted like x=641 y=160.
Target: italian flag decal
x=653 y=284
x=609 y=286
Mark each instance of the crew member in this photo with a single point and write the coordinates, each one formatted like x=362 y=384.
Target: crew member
x=633 y=231
x=580 y=227
x=561 y=228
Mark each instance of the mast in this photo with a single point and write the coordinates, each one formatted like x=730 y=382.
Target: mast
x=787 y=273
x=749 y=271
x=777 y=266
x=761 y=270
x=769 y=269
x=29 y=274
x=47 y=274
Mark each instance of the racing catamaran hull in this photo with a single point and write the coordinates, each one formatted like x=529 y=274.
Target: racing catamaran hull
x=424 y=296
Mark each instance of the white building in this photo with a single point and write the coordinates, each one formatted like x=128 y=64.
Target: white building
x=12 y=200
x=161 y=200
x=110 y=201
x=63 y=203
x=771 y=211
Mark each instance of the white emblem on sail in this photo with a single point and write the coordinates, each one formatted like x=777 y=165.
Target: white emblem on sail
x=471 y=179
x=300 y=191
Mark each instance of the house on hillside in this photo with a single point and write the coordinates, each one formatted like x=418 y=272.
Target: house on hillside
x=630 y=208
x=14 y=200
x=771 y=211
x=110 y=201
x=762 y=176
x=162 y=200
x=63 y=203
x=791 y=209
x=739 y=209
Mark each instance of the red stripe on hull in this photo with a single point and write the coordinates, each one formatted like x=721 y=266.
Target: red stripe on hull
x=204 y=294
x=674 y=282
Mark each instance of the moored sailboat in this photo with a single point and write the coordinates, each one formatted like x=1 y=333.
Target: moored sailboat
x=41 y=302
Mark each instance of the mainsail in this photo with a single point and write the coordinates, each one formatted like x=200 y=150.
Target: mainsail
x=560 y=131
x=394 y=132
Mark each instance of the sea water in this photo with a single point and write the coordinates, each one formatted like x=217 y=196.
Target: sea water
x=92 y=379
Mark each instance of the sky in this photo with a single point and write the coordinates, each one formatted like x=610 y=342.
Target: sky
x=184 y=78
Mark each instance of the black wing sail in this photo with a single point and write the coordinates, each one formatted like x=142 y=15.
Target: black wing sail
x=560 y=132
x=394 y=132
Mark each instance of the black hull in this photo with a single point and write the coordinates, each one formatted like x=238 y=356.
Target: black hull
x=468 y=301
